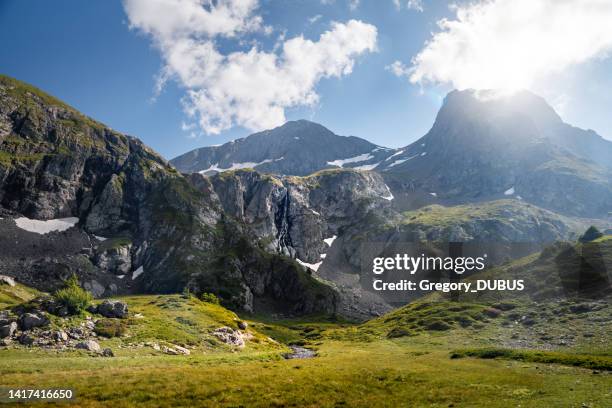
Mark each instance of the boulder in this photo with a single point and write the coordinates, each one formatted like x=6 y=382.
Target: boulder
x=89 y=345
x=242 y=325
x=7 y=280
x=182 y=350
x=26 y=339
x=7 y=330
x=28 y=321
x=229 y=336
x=113 y=308
x=60 y=336
x=108 y=353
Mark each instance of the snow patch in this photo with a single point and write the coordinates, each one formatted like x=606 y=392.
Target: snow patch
x=330 y=241
x=314 y=267
x=137 y=273
x=400 y=161
x=238 y=166
x=509 y=191
x=390 y=196
x=394 y=154
x=367 y=166
x=314 y=212
x=121 y=276
x=44 y=227
x=423 y=154
x=296 y=138
x=434 y=194
x=356 y=159
x=102 y=239
x=323 y=256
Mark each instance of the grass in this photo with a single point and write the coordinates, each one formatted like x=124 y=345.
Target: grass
x=14 y=295
x=383 y=373
x=548 y=357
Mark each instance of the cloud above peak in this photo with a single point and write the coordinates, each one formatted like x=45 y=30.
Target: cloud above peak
x=513 y=44
x=249 y=87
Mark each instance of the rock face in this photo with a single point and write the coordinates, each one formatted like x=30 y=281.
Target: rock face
x=484 y=147
x=297 y=148
x=113 y=308
x=163 y=234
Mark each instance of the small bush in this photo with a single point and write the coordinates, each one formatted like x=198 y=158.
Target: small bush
x=210 y=298
x=73 y=297
x=110 y=328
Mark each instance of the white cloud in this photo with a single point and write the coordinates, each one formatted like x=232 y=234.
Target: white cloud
x=416 y=5
x=512 y=44
x=398 y=69
x=251 y=87
x=315 y=18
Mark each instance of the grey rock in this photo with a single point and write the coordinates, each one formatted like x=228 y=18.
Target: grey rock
x=7 y=280
x=7 y=330
x=113 y=308
x=229 y=336
x=108 y=353
x=26 y=339
x=96 y=289
x=89 y=345
x=28 y=321
x=60 y=335
x=242 y=325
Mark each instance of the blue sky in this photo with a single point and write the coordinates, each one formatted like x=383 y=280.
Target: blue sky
x=101 y=60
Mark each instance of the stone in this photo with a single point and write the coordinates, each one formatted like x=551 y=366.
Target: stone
x=492 y=312
x=60 y=336
x=89 y=345
x=229 y=336
x=7 y=280
x=5 y=342
x=242 y=325
x=108 y=353
x=182 y=350
x=26 y=339
x=113 y=308
x=8 y=330
x=28 y=321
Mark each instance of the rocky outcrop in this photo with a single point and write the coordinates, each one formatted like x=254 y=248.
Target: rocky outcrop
x=112 y=308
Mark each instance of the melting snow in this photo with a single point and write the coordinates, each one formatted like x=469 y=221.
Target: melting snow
x=100 y=238
x=356 y=159
x=314 y=212
x=434 y=194
x=237 y=166
x=330 y=241
x=314 y=267
x=394 y=154
x=423 y=154
x=509 y=191
x=367 y=166
x=44 y=227
x=395 y=163
x=121 y=276
x=390 y=196
x=137 y=273
x=323 y=256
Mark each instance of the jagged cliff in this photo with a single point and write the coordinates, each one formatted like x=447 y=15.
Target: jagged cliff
x=165 y=234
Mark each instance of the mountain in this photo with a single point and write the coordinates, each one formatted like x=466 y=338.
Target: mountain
x=79 y=197
x=296 y=148
x=484 y=146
